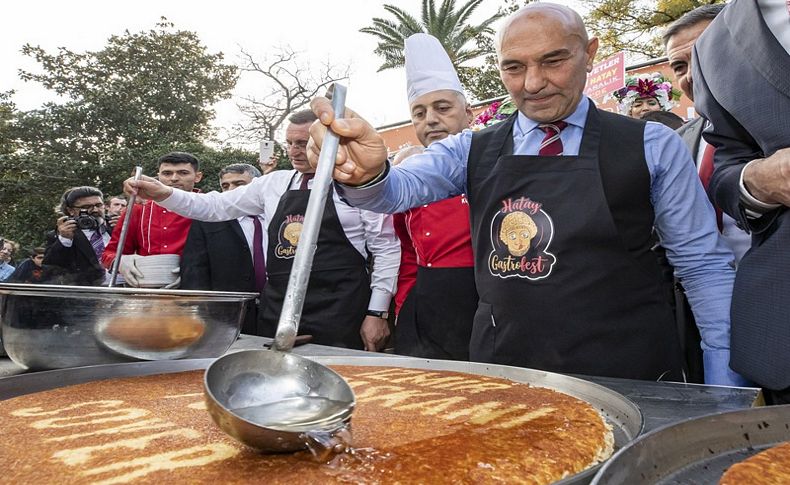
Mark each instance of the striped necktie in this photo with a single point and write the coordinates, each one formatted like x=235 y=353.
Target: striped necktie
x=97 y=242
x=551 y=144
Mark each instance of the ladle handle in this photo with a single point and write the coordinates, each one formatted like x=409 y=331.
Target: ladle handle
x=288 y=325
x=138 y=172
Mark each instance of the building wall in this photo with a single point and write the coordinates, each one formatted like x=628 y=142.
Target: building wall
x=399 y=135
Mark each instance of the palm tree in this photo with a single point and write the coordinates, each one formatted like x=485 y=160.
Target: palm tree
x=447 y=24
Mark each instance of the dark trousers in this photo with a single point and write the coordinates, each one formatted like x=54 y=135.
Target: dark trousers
x=781 y=396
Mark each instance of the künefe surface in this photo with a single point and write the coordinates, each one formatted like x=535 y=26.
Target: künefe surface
x=409 y=426
x=769 y=467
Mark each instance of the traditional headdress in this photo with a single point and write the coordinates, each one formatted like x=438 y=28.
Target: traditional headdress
x=652 y=85
x=428 y=67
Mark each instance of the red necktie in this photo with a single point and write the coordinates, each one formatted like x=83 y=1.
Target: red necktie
x=705 y=173
x=551 y=144
x=258 y=261
x=305 y=178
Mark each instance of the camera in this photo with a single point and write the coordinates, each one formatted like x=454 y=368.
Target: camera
x=86 y=221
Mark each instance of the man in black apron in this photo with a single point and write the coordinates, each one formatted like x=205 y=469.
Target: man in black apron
x=435 y=320
x=563 y=200
x=345 y=306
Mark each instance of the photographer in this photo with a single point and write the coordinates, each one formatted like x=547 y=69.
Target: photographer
x=82 y=235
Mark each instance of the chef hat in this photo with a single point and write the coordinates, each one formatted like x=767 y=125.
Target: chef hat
x=428 y=67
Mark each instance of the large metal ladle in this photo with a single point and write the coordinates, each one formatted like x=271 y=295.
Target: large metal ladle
x=273 y=400
x=116 y=264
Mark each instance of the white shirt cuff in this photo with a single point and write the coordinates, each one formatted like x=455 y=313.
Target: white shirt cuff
x=753 y=207
x=379 y=300
x=66 y=243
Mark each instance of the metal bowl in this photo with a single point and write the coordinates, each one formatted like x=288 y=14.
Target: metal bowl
x=52 y=327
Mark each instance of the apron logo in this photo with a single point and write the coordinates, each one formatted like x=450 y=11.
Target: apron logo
x=521 y=232
x=288 y=236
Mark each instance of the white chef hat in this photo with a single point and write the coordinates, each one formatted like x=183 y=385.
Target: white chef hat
x=428 y=67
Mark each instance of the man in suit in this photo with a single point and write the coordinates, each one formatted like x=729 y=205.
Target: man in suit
x=679 y=38
x=563 y=199
x=741 y=71
x=81 y=236
x=219 y=256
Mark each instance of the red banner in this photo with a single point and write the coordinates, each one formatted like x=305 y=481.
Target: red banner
x=605 y=77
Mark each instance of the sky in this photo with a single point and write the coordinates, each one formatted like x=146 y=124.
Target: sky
x=320 y=30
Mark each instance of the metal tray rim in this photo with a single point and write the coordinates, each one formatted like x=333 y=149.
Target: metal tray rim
x=658 y=437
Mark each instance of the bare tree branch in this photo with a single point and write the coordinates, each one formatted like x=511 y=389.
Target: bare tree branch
x=290 y=83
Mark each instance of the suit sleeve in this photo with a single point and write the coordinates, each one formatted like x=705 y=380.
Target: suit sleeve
x=59 y=255
x=407 y=275
x=735 y=147
x=195 y=268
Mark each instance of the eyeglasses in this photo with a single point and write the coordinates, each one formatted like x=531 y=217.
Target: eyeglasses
x=98 y=205
x=301 y=144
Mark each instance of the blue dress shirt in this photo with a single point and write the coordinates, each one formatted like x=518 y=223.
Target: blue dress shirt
x=6 y=270
x=684 y=217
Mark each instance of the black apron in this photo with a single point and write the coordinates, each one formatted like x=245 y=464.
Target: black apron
x=338 y=292
x=566 y=278
x=435 y=321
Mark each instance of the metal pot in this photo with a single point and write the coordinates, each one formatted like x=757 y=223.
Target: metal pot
x=52 y=327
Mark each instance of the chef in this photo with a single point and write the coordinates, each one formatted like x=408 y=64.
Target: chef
x=436 y=286
x=586 y=296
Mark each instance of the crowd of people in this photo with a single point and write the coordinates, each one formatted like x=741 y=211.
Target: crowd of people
x=564 y=238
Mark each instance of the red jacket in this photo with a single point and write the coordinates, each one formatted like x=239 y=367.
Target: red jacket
x=433 y=236
x=152 y=230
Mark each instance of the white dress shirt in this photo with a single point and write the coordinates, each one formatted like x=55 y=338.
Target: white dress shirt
x=364 y=229
x=88 y=234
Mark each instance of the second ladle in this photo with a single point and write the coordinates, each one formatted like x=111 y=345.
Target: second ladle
x=273 y=400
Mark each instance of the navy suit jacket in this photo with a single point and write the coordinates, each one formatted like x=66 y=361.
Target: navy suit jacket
x=742 y=85
x=217 y=257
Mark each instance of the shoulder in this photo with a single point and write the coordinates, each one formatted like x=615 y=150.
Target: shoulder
x=621 y=121
x=277 y=177
x=655 y=132
x=695 y=124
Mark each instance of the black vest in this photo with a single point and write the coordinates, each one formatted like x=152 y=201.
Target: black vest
x=564 y=267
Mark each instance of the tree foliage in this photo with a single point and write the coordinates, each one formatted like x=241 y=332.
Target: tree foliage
x=634 y=26
x=142 y=95
x=464 y=42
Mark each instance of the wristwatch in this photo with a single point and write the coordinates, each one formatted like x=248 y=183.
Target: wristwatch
x=376 y=313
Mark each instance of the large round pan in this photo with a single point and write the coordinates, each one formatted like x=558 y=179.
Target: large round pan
x=698 y=450
x=621 y=413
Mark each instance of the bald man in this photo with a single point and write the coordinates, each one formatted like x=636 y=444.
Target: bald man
x=587 y=296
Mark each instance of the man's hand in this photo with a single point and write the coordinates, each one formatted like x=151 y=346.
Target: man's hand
x=111 y=220
x=177 y=282
x=147 y=188
x=128 y=269
x=768 y=179
x=362 y=154
x=374 y=333
x=66 y=227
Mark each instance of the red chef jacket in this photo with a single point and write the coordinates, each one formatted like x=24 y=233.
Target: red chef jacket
x=152 y=230
x=434 y=235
